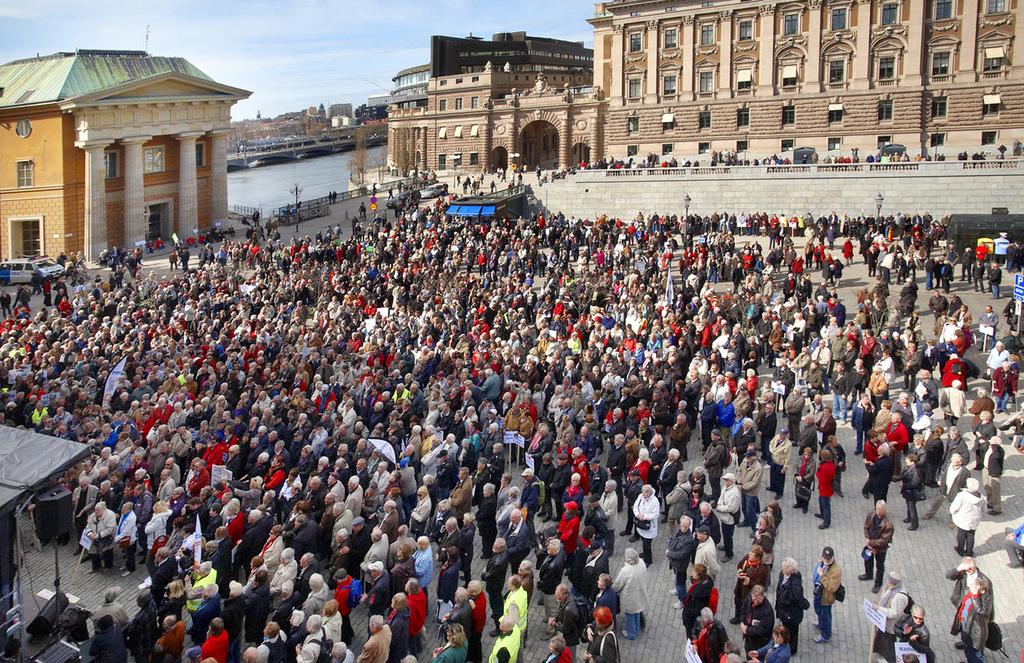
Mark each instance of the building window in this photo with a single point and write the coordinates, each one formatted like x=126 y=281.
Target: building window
x=988 y=137
x=940 y=63
x=889 y=13
x=632 y=124
x=744 y=79
x=442 y=161
x=636 y=43
x=442 y=105
x=883 y=141
x=632 y=150
x=153 y=160
x=668 y=85
x=474 y=158
x=707 y=34
x=703 y=147
x=26 y=174
x=741 y=146
x=789 y=75
x=837 y=71
x=668 y=122
x=474 y=102
x=704 y=120
x=200 y=155
x=885 y=110
x=707 y=81
x=839 y=18
x=993 y=59
x=835 y=143
x=835 y=116
x=886 y=68
x=936 y=140
x=791 y=24
x=746 y=30
x=671 y=39
x=111 y=165
x=458 y=103
x=634 y=88
x=995 y=6
x=788 y=116
x=943 y=9
x=787 y=144
x=742 y=117
x=938 y=107
x=989 y=108
x=667 y=148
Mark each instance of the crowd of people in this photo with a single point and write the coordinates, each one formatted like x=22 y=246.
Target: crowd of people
x=334 y=428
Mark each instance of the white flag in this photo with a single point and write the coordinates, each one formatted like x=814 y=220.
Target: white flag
x=197 y=542
x=113 y=380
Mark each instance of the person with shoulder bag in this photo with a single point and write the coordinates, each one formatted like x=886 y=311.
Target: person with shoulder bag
x=603 y=646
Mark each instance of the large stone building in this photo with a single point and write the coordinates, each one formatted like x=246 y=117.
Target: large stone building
x=109 y=148
x=686 y=77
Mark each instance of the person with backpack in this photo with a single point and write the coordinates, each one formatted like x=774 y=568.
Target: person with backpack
x=790 y=602
x=893 y=603
x=828 y=581
x=973 y=621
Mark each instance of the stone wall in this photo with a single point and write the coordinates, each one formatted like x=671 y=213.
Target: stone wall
x=938 y=187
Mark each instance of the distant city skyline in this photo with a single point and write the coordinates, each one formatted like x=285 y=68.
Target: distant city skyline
x=291 y=55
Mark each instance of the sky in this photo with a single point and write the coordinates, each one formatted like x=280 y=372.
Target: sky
x=290 y=53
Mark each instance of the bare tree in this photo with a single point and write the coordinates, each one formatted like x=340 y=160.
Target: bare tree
x=404 y=151
x=359 y=157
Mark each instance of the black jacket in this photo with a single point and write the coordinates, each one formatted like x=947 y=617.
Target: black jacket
x=760 y=621
x=681 y=548
x=399 y=624
x=107 y=646
x=494 y=572
x=790 y=602
x=550 y=572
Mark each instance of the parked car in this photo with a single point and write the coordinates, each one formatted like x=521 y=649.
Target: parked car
x=21 y=270
x=432 y=191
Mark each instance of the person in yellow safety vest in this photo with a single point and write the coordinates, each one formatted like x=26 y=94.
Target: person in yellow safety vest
x=506 y=647
x=206 y=575
x=39 y=413
x=517 y=603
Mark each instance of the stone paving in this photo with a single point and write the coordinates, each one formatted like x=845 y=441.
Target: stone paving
x=922 y=557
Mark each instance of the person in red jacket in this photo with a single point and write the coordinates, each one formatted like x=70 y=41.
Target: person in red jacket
x=479 y=599
x=898 y=438
x=216 y=644
x=417 y=614
x=825 y=475
x=569 y=531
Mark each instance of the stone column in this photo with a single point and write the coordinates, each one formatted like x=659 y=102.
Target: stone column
x=134 y=191
x=565 y=140
x=863 y=57
x=913 y=58
x=812 y=72
x=95 y=231
x=188 y=214
x=766 y=55
x=725 y=53
x=653 y=44
x=686 y=85
x=618 y=58
x=969 y=41
x=218 y=177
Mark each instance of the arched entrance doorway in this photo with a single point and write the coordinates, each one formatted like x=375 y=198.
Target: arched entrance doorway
x=580 y=154
x=540 y=145
x=499 y=158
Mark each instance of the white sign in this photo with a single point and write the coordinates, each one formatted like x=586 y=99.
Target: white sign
x=691 y=653
x=513 y=438
x=906 y=654
x=85 y=541
x=113 y=380
x=874 y=616
x=778 y=388
x=385 y=449
x=220 y=473
x=987 y=330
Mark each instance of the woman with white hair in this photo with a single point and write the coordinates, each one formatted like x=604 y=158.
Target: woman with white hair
x=319 y=594
x=646 y=512
x=790 y=602
x=631 y=585
x=287 y=569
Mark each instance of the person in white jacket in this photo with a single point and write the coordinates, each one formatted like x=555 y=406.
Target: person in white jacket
x=126 y=537
x=100 y=528
x=727 y=508
x=965 y=512
x=631 y=584
x=647 y=510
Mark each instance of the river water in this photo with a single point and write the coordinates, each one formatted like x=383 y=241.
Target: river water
x=269 y=186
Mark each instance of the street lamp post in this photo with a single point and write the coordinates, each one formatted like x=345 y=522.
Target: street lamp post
x=879 y=199
x=686 y=204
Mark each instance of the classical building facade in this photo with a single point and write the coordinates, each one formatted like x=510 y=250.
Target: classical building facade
x=109 y=148
x=686 y=77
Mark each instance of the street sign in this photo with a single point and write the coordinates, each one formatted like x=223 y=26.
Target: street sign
x=373 y=199
x=1018 y=280
x=373 y=207
x=1018 y=293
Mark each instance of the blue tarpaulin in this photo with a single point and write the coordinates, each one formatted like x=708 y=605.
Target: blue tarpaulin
x=487 y=210
x=470 y=210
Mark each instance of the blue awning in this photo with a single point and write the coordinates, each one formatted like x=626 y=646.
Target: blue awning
x=469 y=210
x=487 y=210
x=453 y=209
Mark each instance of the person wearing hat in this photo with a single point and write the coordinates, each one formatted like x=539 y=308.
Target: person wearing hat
x=750 y=475
x=892 y=603
x=966 y=511
x=716 y=459
x=827 y=578
x=729 y=508
x=781 y=453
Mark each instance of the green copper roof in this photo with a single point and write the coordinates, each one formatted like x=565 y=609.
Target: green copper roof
x=60 y=76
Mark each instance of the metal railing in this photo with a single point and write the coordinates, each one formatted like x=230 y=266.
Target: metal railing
x=922 y=167
x=288 y=211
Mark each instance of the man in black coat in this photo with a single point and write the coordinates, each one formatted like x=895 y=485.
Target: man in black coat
x=518 y=539
x=378 y=592
x=493 y=576
x=487 y=519
x=617 y=464
x=107 y=645
x=256 y=534
x=598 y=519
x=680 y=552
x=308 y=565
x=757 y=619
x=467 y=539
